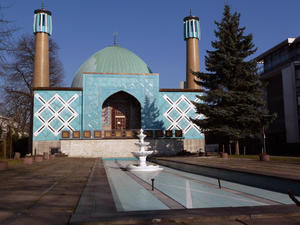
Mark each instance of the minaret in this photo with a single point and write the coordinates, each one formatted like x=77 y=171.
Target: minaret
x=42 y=28
x=192 y=36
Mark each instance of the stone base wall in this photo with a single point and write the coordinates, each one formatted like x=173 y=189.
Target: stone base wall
x=99 y=148
x=194 y=145
x=117 y=147
x=39 y=147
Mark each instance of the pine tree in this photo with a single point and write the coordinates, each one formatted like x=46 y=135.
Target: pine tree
x=232 y=100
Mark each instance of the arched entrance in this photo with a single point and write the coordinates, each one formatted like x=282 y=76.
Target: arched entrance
x=121 y=111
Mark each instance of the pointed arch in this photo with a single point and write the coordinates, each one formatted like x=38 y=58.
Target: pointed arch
x=121 y=110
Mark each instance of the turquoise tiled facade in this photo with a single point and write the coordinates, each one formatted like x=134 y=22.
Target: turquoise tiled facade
x=80 y=107
x=98 y=87
x=176 y=110
x=55 y=111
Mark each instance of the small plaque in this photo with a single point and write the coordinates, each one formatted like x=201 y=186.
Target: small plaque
x=97 y=134
x=76 y=134
x=178 y=133
x=169 y=133
x=65 y=134
x=159 y=133
x=118 y=133
x=107 y=134
x=87 y=134
x=129 y=133
x=149 y=133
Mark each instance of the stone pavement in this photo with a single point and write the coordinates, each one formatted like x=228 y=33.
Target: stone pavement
x=282 y=169
x=43 y=193
x=49 y=193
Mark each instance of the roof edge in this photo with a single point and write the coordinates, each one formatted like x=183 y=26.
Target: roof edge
x=287 y=41
x=104 y=73
x=57 y=89
x=179 y=90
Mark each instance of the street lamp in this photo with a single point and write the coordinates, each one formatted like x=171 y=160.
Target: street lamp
x=264 y=139
x=266 y=120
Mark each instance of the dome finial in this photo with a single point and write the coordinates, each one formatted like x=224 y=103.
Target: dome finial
x=115 y=38
x=43 y=4
x=191 y=12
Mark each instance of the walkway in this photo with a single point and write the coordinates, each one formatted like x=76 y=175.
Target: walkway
x=42 y=193
x=49 y=193
x=282 y=169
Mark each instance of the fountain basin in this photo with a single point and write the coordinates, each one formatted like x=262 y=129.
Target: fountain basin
x=148 y=168
x=144 y=144
x=144 y=153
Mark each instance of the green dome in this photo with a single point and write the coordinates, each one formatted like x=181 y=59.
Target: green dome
x=113 y=59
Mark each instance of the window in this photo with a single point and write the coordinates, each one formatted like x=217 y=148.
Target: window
x=297 y=74
x=298 y=100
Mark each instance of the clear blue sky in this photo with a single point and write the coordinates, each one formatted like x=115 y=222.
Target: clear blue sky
x=152 y=29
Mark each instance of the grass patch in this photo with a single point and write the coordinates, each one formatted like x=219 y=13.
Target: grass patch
x=13 y=162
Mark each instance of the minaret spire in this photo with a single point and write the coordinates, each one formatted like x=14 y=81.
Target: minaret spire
x=42 y=28
x=192 y=36
x=115 y=38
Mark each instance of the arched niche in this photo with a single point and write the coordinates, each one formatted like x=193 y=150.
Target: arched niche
x=121 y=111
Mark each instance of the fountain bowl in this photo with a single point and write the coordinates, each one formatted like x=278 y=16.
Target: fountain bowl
x=144 y=144
x=142 y=153
x=148 y=168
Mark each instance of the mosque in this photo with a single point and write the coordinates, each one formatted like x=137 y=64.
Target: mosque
x=113 y=94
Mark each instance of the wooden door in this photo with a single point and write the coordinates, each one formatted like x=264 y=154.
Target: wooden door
x=120 y=122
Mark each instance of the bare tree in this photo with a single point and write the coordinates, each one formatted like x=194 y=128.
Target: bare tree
x=7 y=30
x=19 y=78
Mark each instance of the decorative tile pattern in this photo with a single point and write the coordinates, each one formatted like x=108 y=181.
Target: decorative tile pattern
x=98 y=87
x=54 y=112
x=177 y=109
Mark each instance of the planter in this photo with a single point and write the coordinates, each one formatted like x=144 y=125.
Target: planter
x=52 y=156
x=224 y=155
x=264 y=157
x=38 y=158
x=3 y=165
x=46 y=156
x=17 y=155
x=28 y=160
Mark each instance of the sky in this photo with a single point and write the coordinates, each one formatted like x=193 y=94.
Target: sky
x=152 y=29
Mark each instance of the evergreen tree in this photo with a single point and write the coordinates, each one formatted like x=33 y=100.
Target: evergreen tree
x=232 y=100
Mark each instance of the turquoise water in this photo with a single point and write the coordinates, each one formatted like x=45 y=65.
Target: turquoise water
x=187 y=189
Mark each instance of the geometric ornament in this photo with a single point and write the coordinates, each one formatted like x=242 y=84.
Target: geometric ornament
x=177 y=114
x=56 y=114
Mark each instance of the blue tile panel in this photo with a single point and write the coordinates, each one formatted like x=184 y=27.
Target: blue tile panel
x=98 y=87
x=55 y=111
x=176 y=109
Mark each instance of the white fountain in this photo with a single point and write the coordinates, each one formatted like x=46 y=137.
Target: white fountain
x=142 y=155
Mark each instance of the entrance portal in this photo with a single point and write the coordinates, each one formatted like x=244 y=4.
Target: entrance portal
x=121 y=111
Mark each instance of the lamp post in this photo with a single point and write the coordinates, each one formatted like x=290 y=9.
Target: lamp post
x=266 y=119
x=264 y=139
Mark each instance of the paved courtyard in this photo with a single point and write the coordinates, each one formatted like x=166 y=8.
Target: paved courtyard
x=42 y=193
x=76 y=191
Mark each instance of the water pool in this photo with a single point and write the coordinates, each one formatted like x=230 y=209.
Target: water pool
x=174 y=189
